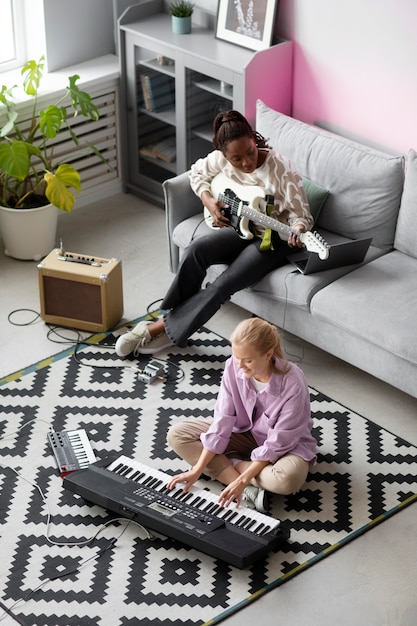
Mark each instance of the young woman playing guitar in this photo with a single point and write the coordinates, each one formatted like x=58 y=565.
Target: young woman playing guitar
x=244 y=157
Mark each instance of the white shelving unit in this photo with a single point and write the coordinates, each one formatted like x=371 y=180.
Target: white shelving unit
x=200 y=76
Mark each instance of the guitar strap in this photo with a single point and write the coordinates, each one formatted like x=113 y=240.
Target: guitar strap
x=266 y=243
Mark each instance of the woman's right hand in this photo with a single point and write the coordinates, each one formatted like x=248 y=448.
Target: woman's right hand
x=187 y=478
x=216 y=209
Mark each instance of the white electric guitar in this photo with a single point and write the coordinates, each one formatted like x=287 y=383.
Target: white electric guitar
x=251 y=209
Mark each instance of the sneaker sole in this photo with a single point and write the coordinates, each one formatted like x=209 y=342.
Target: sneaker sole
x=153 y=350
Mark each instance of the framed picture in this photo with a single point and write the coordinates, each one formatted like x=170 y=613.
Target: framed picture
x=247 y=23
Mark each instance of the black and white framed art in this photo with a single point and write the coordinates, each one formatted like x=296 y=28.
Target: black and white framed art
x=247 y=23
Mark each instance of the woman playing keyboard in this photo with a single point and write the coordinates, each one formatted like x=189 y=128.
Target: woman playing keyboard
x=260 y=438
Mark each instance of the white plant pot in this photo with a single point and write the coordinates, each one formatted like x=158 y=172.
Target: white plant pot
x=28 y=234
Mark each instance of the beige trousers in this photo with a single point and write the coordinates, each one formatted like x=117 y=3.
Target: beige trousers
x=286 y=476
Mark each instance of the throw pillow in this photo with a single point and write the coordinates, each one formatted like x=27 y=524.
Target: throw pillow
x=316 y=197
x=407 y=217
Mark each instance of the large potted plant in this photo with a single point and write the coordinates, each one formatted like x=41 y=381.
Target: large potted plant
x=34 y=183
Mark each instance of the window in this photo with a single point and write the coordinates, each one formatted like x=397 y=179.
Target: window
x=12 y=46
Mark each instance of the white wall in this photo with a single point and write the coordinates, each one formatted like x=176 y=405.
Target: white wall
x=77 y=30
x=355 y=63
x=355 y=66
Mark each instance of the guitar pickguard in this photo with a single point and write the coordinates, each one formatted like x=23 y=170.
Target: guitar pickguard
x=240 y=224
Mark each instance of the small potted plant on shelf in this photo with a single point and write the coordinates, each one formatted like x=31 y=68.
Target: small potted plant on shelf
x=181 y=12
x=33 y=180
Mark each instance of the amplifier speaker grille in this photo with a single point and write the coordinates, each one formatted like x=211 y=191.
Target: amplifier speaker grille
x=66 y=298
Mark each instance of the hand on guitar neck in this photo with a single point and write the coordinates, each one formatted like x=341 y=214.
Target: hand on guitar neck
x=231 y=204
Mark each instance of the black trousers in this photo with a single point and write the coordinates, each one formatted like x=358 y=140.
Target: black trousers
x=190 y=306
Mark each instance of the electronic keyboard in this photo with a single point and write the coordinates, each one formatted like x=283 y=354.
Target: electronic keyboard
x=133 y=490
x=72 y=450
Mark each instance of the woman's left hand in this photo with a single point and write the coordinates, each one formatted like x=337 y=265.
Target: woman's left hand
x=232 y=493
x=294 y=240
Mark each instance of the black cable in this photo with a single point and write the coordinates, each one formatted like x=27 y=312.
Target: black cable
x=37 y=316
x=202 y=221
x=62 y=574
x=7 y=611
x=152 y=313
x=134 y=366
x=57 y=330
x=79 y=340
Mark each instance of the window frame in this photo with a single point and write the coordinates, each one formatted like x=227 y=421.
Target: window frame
x=18 y=27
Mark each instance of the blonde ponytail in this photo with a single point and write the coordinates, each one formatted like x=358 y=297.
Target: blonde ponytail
x=263 y=336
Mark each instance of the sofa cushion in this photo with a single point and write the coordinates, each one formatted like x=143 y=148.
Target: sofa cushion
x=376 y=302
x=407 y=217
x=316 y=197
x=189 y=229
x=284 y=284
x=365 y=184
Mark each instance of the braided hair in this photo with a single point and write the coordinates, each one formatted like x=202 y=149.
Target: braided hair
x=231 y=125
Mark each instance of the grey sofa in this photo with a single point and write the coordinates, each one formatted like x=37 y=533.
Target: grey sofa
x=364 y=314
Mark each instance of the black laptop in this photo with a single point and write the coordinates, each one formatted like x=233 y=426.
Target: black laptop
x=340 y=254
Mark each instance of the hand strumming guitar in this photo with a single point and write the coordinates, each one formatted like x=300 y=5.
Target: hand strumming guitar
x=214 y=207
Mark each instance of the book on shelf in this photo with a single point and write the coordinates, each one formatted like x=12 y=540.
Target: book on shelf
x=164 y=150
x=158 y=91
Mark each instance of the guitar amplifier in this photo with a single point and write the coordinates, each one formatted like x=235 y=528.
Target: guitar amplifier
x=80 y=291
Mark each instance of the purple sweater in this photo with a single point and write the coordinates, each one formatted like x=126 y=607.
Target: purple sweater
x=278 y=417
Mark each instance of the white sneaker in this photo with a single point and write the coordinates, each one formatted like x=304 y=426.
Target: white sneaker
x=255 y=498
x=156 y=344
x=130 y=341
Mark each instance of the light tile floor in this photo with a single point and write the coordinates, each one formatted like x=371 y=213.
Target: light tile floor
x=371 y=582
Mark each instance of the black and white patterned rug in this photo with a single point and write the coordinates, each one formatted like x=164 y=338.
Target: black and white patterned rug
x=363 y=476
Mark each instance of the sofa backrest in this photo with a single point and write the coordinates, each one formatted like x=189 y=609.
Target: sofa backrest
x=365 y=185
x=407 y=217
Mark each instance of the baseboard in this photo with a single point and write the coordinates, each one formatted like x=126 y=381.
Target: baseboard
x=99 y=193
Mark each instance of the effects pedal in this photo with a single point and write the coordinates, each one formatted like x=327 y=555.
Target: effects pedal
x=151 y=372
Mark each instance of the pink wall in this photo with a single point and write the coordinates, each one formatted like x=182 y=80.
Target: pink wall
x=355 y=67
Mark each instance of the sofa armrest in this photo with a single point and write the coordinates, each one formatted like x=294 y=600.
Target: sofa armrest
x=180 y=204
